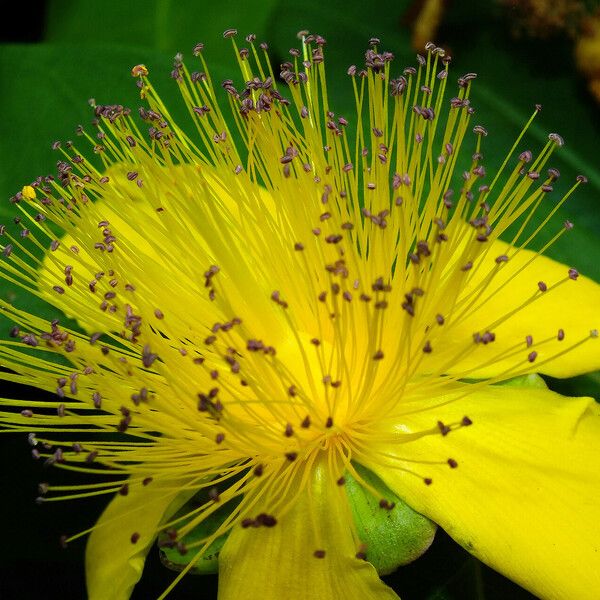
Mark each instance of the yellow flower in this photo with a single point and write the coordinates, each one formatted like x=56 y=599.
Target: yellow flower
x=269 y=313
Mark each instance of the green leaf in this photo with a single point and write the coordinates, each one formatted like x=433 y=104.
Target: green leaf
x=163 y=25
x=533 y=380
x=175 y=559
x=394 y=534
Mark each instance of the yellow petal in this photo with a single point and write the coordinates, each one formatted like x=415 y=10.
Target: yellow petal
x=279 y=562
x=524 y=496
x=113 y=563
x=572 y=306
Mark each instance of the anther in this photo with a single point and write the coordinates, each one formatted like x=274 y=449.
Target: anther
x=573 y=274
x=452 y=463
x=444 y=429
x=557 y=139
x=526 y=156
x=319 y=553
x=265 y=520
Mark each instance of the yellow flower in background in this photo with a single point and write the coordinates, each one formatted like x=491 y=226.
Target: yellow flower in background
x=300 y=316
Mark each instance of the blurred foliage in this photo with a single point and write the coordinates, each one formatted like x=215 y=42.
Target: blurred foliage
x=87 y=51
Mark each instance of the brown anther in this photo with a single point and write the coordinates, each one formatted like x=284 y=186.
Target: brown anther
x=265 y=520
x=557 y=139
x=305 y=422
x=465 y=421
x=561 y=335
x=452 y=463
x=135 y=537
x=291 y=456
x=378 y=355
x=148 y=357
x=427 y=347
x=573 y=274
x=139 y=71
x=341 y=481
x=532 y=356
x=319 y=553
x=427 y=481
x=289 y=430
x=329 y=422
x=542 y=286
x=444 y=429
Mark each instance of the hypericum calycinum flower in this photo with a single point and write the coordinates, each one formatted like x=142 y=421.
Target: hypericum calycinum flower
x=304 y=320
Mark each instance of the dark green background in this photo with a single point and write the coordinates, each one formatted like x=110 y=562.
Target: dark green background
x=62 y=52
